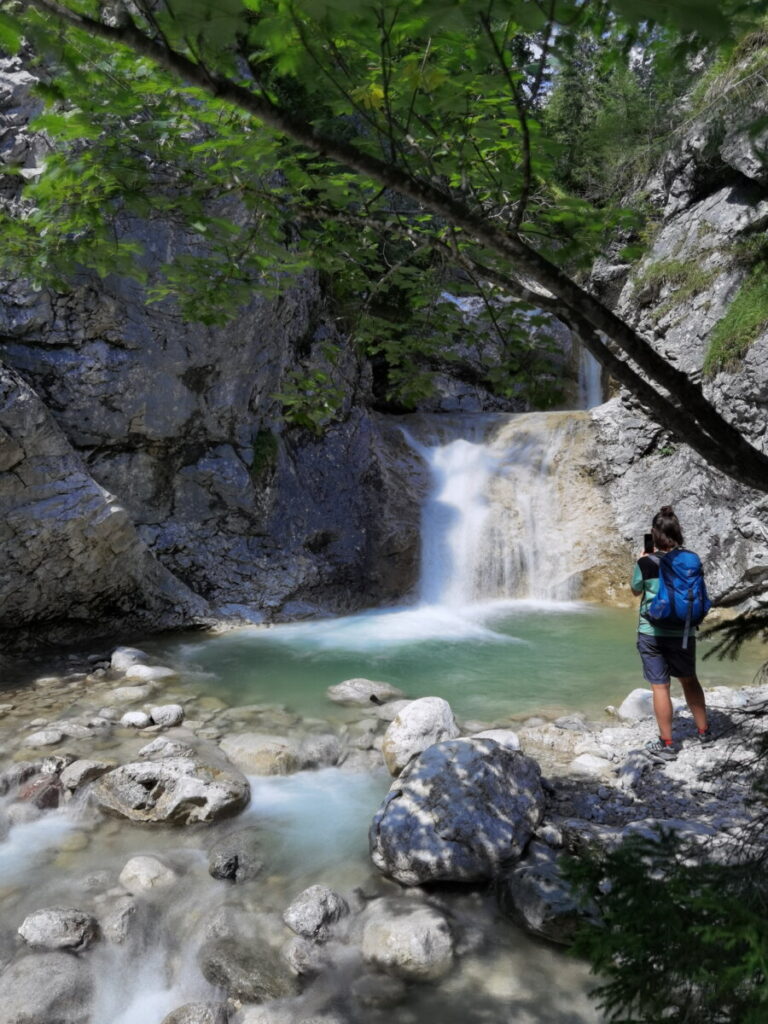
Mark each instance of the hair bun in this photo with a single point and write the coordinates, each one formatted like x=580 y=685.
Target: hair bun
x=666 y=510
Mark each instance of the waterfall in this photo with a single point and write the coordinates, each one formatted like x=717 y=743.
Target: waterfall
x=499 y=522
x=590 y=381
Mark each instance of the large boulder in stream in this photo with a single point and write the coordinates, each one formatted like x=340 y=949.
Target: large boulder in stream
x=174 y=790
x=46 y=988
x=420 y=724
x=458 y=813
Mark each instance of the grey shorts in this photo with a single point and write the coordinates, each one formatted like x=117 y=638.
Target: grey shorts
x=663 y=656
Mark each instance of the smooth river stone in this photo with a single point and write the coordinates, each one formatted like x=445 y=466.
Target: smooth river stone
x=123 y=657
x=150 y=673
x=360 y=691
x=314 y=912
x=422 y=723
x=142 y=874
x=412 y=942
x=260 y=754
x=59 y=928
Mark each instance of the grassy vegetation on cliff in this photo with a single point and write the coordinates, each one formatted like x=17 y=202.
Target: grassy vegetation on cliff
x=745 y=320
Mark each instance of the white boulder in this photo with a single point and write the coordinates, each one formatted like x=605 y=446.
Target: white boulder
x=167 y=715
x=143 y=873
x=423 y=722
x=360 y=691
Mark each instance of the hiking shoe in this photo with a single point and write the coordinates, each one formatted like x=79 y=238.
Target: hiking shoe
x=659 y=751
x=705 y=738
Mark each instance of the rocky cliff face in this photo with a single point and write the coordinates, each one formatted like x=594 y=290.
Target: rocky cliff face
x=712 y=197
x=218 y=505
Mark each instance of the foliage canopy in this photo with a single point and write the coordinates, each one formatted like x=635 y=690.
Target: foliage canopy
x=401 y=148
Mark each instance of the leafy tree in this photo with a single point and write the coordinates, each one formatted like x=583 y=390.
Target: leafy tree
x=679 y=940
x=409 y=121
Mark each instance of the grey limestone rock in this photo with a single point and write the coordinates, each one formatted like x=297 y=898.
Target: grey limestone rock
x=81 y=772
x=458 y=812
x=144 y=873
x=54 y=988
x=422 y=723
x=535 y=894
x=252 y=972
x=413 y=942
x=198 y=1013
x=55 y=928
x=176 y=790
x=315 y=911
x=262 y=754
x=363 y=691
x=238 y=856
x=167 y=715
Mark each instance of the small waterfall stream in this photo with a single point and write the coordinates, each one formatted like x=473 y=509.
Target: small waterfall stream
x=496 y=524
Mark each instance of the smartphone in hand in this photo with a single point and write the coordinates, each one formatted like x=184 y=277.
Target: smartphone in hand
x=648 y=543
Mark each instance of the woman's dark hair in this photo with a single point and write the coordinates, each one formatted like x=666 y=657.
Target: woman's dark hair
x=666 y=529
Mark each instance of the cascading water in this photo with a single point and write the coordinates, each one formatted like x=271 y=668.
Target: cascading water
x=496 y=524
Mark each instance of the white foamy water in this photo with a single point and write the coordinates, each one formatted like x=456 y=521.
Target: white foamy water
x=27 y=845
x=590 y=380
x=496 y=524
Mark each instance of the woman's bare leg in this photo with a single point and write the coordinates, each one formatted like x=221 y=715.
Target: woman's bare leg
x=694 y=698
x=662 y=708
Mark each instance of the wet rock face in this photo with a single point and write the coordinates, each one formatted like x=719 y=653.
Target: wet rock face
x=175 y=790
x=457 y=813
x=163 y=479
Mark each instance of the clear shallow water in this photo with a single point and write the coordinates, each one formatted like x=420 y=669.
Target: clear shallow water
x=489 y=661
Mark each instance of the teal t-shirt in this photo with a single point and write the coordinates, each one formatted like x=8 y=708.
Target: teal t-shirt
x=646 y=578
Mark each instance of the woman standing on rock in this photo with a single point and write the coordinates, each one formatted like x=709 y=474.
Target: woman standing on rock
x=665 y=648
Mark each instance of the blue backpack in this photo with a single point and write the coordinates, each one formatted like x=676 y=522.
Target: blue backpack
x=682 y=600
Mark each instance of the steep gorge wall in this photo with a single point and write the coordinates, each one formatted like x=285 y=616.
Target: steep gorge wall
x=712 y=196
x=173 y=432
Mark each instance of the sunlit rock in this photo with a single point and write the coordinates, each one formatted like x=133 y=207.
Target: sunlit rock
x=411 y=942
x=177 y=790
x=458 y=812
x=363 y=691
x=59 y=928
x=506 y=737
x=419 y=725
